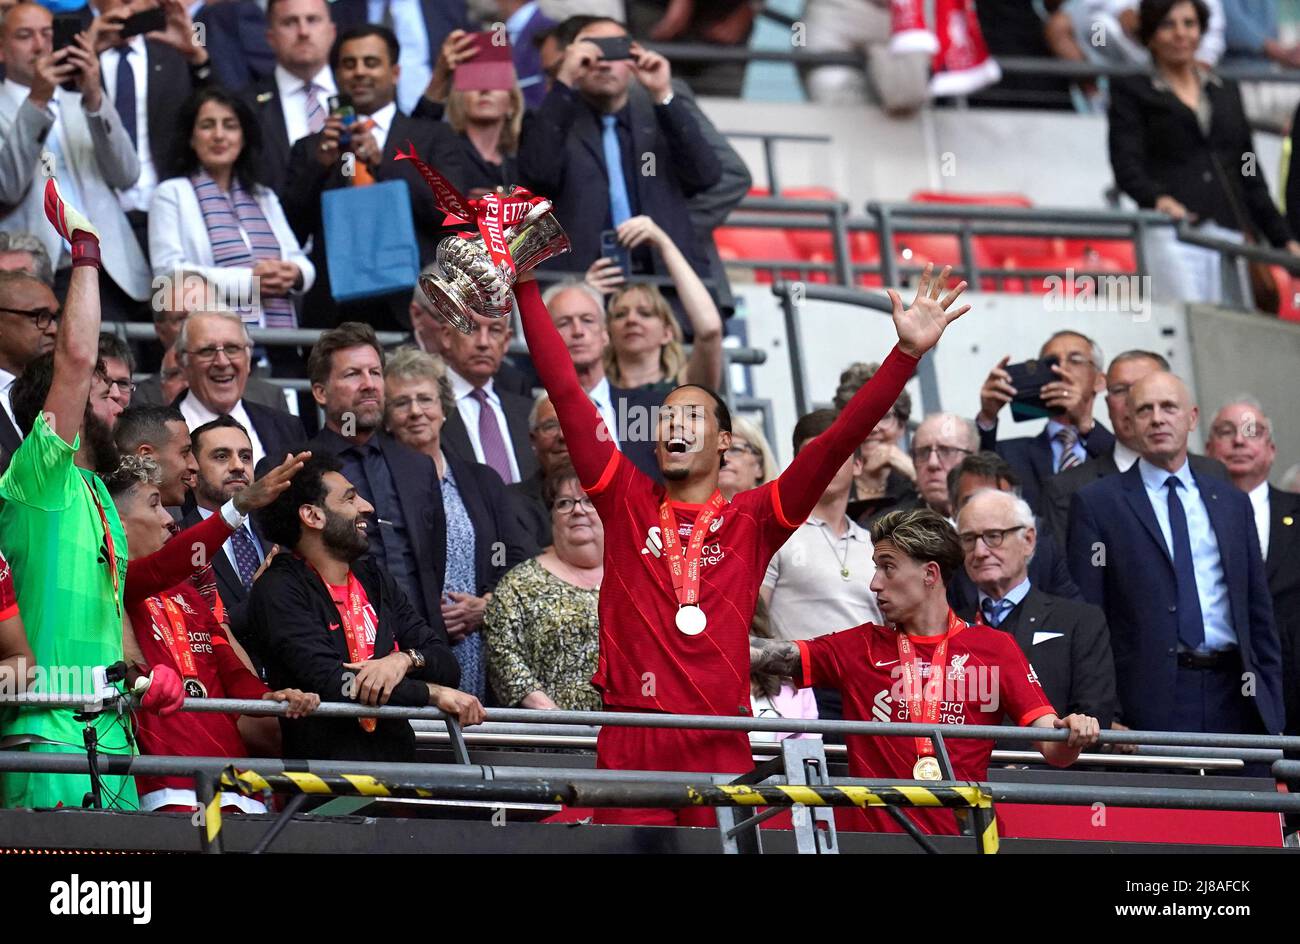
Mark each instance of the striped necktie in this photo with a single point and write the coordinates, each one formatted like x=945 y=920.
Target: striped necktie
x=1068 y=437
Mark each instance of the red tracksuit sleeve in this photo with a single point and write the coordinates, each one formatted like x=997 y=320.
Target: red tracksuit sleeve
x=174 y=562
x=801 y=485
x=590 y=444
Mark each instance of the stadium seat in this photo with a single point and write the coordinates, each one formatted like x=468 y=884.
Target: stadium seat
x=1119 y=251
x=1064 y=263
x=996 y=248
x=747 y=243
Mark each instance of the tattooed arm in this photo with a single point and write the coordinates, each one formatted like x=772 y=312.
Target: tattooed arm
x=775 y=656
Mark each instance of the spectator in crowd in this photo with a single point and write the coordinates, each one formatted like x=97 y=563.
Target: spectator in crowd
x=916 y=553
x=1291 y=479
x=1047 y=567
x=719 y=22
x=483 y=536
x=1066 y=639
x=419 y=28
x=409 y=536
x=552 y=454
x=1071 y=435
x=160 y=433
x=940 y=443
x=541 y=625
x=774 y=696
x=820 y=579
x=29 y=323
x=293 y=101
x=488 y=123
x=1183 y=585
x=899 y=81
x=214 y=350
x=15 y=651
x=236 y=39
x=385 y=655
x=61 y=533
x=1176 y=144
x=224 y=456
x=90 y=148
x=178 y=631
x=364 y=62
x=524 y=21
x=887 y=474
x=147 y=79
x=589 y=113
x=748 y=461
x=578 y=313
x=213 y=219
x=1253 y=38
x=119 y=365
x=1125 y=370
x=166 y=385
x=490 y=425
x=23 y=252
x=1241 y=437
x=645 y=348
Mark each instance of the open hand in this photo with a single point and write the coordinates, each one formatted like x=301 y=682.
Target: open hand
x=920 y=327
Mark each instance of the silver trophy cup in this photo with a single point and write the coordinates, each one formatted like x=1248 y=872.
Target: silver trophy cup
x=472 y=284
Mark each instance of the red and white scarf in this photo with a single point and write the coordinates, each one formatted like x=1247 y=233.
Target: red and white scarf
x=962 y=63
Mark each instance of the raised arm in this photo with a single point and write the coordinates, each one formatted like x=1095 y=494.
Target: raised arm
x=919 y=329
x=777 y=656
x=591 y=446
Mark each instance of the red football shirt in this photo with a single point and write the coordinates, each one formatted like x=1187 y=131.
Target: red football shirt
x=987 y=677
x=8 y=599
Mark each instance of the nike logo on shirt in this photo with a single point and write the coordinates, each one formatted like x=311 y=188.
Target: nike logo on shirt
x=881 y=665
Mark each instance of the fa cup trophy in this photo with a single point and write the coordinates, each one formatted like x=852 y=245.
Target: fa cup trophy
x=516 y=232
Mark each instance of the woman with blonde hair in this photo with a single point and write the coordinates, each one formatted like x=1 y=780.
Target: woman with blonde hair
x=749 y=462
x=645 y=340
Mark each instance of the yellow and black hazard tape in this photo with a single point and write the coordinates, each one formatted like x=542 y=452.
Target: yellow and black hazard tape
x=743 y=795
x=251 y=783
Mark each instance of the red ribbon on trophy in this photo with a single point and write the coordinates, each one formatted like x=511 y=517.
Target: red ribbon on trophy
x=491 y=213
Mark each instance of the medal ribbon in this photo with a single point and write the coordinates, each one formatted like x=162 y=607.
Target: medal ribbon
x=922 y=700
x=353 y=617
x=114 y=576
x=685 y=568
x=170 y=623
x=491 y=214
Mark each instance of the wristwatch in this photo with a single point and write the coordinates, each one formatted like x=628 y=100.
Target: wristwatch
x=668 y=99
x=417 y=658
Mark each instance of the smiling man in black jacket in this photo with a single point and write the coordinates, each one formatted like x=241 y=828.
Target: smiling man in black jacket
x=328 y=617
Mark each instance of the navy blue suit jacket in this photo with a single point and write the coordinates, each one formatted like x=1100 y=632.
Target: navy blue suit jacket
x=1137 y=590
x=236 y=43
x=440 y=18
x=1031 y=456
x=528 y=58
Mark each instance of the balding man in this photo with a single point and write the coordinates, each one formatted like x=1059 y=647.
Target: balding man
x=1125 y=370
x=1242 y=438
x=1066 y=641
x=29 y=321
x=939 y=445
x=1173 y=559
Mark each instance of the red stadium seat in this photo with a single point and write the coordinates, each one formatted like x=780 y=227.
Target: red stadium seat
x=1288 y=287
x=996 y=248
x=1061 y=263
x=971 y=199
x=735 y=242
x=1118 y=251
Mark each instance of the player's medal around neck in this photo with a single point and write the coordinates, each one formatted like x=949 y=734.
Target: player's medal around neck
x=684 y=563
x=923 y=699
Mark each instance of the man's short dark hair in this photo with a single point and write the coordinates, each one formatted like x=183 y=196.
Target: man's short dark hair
x=110 y=345
x=221 y=422
x=349 y=334
x=983 y=465
x=562 y=473
x=1151 y=12
x=810 y=426
x=567 y=30
x=720 y=409
x=28 y=393
x=924 y=536
x=145 y=424
x=279 y=520
x=361 y=32
x=1139 y=355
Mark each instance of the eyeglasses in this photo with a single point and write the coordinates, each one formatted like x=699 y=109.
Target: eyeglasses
x=566 y=505
x=42 y=316
x=946 y=453
x=547 y=428
x=736 y=451
x=206 y=355
x=1247 y=430
x=127 y=386
x=991 y=538
x=170 y=374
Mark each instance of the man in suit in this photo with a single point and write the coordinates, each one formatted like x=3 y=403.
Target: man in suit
x=1241 y=437
x=524 y=22
x=293 y=102
x=552 y=454
x=147 y=79
x=215 y=351
x=29 y=322
x=409 y=539
x=364 y=61
x=940 y=443
x=1173 y=559
x=1071 y=436
x=420 y=27
x=589 y=113
x=1124 y=371
x=223 y=454
x=48 y=131
x=490 y=425
x=236 y=40
x=1047 y=567
x=1066 y=641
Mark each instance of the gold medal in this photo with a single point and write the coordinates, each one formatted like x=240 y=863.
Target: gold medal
x=691 y=620
x=927 y=768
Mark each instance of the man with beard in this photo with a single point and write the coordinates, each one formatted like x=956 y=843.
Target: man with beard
x=29 y=318
x=60 y=531
x=160 y=433
x=224 y=454
x=328 y=619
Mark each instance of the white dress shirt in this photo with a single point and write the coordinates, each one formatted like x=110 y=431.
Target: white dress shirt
x=383 y=120
x=293 y=99
x=1124 y=456
x=417 y=56
x=601 y=399
x=468 y=407
x=229 y=545
x=196 y=414
x=6 y=382
x=137 y=197
x=1259 y=502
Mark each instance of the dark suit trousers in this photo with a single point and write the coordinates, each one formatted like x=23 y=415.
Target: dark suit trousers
x=1211 y=700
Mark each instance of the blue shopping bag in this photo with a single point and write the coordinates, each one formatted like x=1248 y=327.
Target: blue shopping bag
x=370 y=245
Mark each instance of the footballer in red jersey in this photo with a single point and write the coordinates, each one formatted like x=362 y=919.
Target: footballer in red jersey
x=682 y=565
x=16 y=660
x=926 y=666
